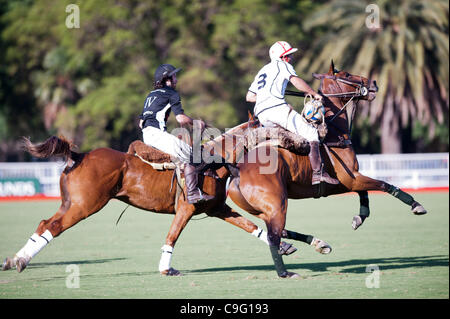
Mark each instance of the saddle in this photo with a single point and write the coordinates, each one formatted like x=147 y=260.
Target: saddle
x=152 y=156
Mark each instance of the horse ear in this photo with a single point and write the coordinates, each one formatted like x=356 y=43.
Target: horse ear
x=331 y=70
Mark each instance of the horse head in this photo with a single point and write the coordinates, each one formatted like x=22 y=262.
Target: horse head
x=345 y=85
x=340 y=89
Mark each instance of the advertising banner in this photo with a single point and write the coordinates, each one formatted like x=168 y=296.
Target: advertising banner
x=11 y=187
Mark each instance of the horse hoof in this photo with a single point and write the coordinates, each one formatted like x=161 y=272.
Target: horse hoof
x=419 y=210
x=286 y=249
x=288 y=274
x=8 y=263
x=21 y=264
x=321 y=246
x=356 y=222
x=171 y=272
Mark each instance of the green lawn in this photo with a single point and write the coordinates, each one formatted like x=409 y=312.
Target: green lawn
x=220 y=261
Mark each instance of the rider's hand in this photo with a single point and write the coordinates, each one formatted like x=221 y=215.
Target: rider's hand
x=202 y=125
x=318 y=97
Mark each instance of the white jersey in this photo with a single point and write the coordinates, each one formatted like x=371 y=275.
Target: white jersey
x=270 y=83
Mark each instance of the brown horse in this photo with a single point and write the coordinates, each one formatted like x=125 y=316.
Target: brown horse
x=91 y=179
x=266 y=195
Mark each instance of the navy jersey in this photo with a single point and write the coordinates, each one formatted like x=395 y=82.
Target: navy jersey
x=158 y=105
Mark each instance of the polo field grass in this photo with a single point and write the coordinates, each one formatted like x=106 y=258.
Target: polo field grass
x=410 y=254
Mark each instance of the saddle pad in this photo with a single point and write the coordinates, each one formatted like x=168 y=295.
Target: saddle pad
x=148 y=153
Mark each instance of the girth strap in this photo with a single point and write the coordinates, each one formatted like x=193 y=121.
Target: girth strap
x=158 y=166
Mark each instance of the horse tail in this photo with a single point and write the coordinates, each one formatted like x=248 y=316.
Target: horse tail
x=53 y=146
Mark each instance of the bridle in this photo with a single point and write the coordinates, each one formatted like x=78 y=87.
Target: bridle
x=360 y=91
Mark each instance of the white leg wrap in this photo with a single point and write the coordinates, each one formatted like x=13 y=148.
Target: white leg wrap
x=34 y=245
x=166 y=257
x=261 y=234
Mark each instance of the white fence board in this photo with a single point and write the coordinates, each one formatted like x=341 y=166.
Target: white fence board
x=402 y=170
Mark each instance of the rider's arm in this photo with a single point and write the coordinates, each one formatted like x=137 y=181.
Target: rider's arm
x=251 y=97
x=181 y=118
x=304 y=87
x=184 y=119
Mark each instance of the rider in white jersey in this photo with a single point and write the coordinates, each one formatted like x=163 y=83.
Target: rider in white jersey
x=267 y=90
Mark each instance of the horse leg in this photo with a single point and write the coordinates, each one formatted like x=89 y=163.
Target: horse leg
x=285 y=248
x=274 y=210
x=229 y=215
x=364 y=183
x=319 y=245
x=364 y=210
x=275 y=225
x=45 y=232
x=182 y=216
x=68 y=214
x=269 y=202
x=40 y=238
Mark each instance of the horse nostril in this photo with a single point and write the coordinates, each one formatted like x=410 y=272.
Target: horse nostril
x=375 y=85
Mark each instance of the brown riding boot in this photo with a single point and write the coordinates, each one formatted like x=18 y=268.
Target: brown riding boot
x=318 y=175
x=194 y=194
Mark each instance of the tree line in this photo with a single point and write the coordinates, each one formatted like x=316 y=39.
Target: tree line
x=89 y=83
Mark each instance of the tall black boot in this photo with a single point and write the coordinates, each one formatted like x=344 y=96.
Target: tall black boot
x=318 y=175
x=194 y=194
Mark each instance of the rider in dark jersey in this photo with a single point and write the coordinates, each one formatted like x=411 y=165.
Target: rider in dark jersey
x=157 y=107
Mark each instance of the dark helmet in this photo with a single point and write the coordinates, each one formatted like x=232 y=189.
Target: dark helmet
x=164 y=71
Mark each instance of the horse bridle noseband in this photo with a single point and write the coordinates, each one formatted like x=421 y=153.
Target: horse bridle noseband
x=361 y=89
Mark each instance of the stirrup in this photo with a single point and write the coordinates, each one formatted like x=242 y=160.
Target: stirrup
x=324 y=178
x=316 y=180
x=328 y=179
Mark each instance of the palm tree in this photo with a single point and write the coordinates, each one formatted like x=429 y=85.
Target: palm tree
x=402 y=44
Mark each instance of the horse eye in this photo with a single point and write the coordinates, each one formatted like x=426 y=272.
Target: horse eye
x=347 y=74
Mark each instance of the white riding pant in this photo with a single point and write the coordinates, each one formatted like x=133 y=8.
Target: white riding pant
x=167 y=143
x=289 y=119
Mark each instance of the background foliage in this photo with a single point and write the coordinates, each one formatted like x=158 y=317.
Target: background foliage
x=89 y=83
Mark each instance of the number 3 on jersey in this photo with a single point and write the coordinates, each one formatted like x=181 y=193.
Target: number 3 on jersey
x=262 y=81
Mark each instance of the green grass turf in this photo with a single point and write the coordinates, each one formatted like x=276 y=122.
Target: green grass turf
x=220 y=261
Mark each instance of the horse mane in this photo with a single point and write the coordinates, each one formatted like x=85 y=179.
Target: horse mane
x=279 y=137
x=231 y=131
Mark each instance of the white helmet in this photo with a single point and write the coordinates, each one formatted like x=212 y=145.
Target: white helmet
x=280 y=49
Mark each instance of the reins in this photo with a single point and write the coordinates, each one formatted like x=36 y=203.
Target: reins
x=360 y=91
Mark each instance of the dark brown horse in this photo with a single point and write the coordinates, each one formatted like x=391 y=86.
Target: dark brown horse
x=91 y=179
x=266 y=195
